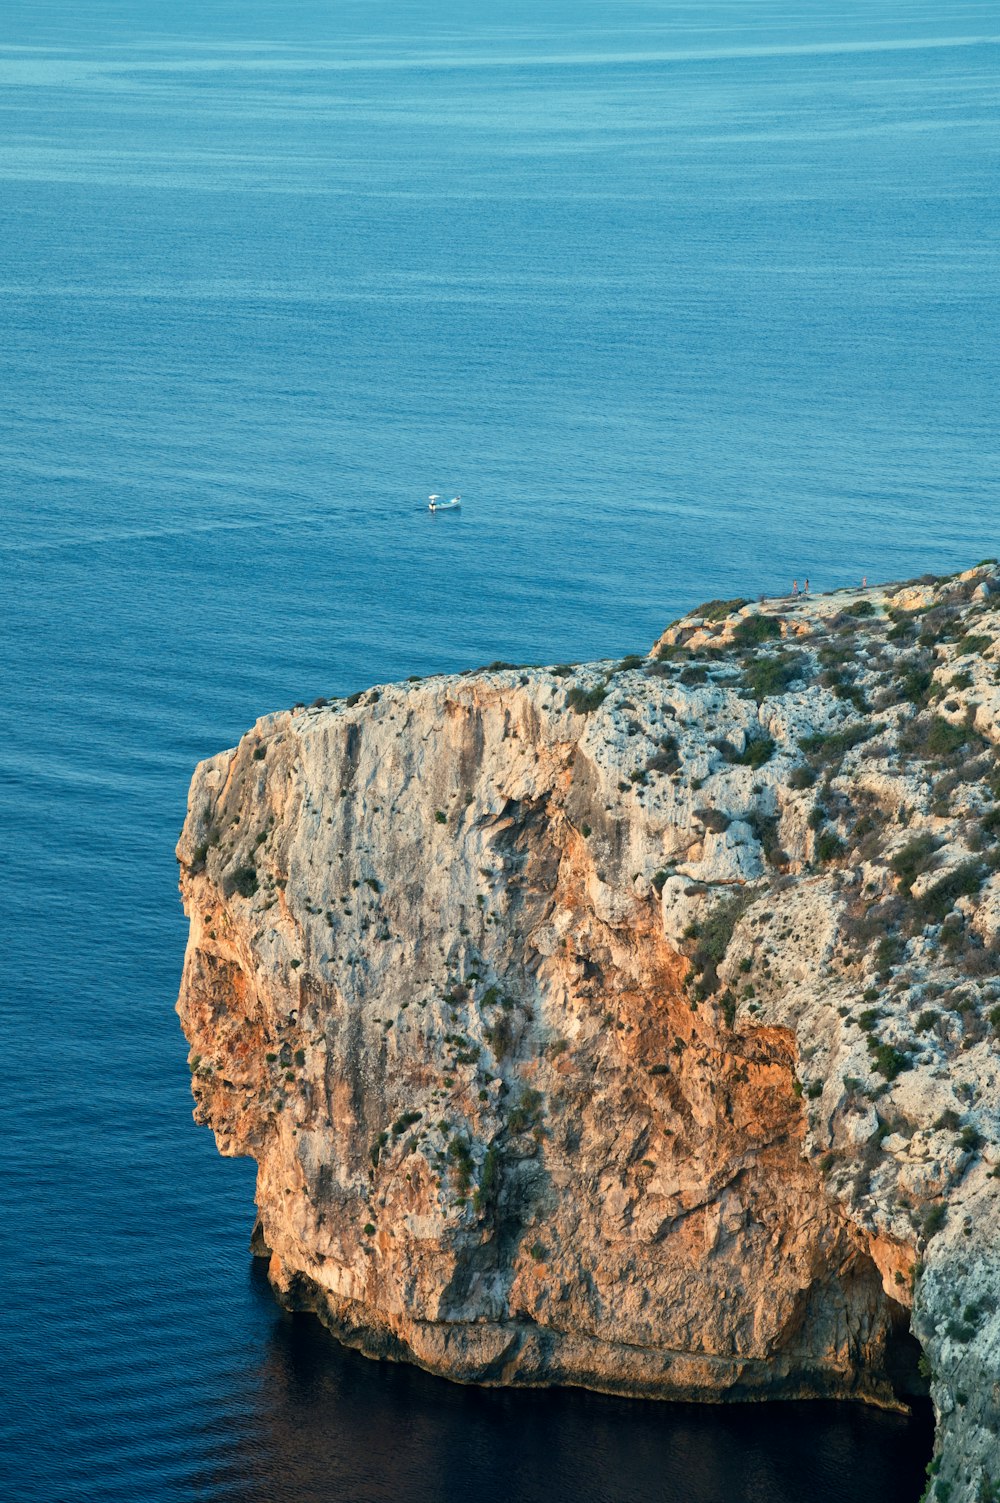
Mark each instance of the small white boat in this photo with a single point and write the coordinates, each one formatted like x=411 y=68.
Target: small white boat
x=434 y=503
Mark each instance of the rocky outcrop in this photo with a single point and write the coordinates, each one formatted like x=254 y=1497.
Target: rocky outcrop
x=633 y=1024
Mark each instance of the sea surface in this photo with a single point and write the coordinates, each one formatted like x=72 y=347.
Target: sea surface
x=686 y=300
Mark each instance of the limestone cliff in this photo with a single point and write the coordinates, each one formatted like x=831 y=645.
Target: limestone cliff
x=632 y=1024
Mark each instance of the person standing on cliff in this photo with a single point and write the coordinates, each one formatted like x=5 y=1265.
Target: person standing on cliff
x=795 y=587
x=805 y=588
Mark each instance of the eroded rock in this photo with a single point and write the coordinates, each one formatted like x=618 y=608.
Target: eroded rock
x=634 y=1027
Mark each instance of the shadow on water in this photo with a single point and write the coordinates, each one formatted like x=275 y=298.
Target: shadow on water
x=332 y=1425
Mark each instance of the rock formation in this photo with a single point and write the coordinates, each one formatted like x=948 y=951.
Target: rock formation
x=632 y=1024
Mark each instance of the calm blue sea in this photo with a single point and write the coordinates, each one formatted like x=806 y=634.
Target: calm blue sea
x=685 y=300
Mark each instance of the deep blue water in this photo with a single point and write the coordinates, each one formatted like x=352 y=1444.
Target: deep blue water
x=686 y=300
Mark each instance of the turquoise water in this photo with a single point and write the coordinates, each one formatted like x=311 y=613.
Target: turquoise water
x=686 y=301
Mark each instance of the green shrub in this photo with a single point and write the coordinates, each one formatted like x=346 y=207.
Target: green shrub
x=718 y=610
x=714 y=820
x=753 y=630
x=952 y=934
x=828 y=847
x=244 y=881
x=933 y=737
x=463 y=1163
x=944 y=738
x=765 y=829
x=860 y=608
x=889 y=951
x=964 y=881
x=527 y=1112
x=926 y=1020
x=717 y=930
x=831 y=746
x=949 y=1121
x=801 y=777
x=843 y=689
x=888 y=1060
x=631 y=661
x=584 y=700
x=990 y=822
x=971 y=643
x=440 y=817
x=489 y=1179
x=667 y=757
x=773 y=674
x=915 y=857
x=934 y=1218
x=914 y=682
x=756 y=752
x=500 y=1034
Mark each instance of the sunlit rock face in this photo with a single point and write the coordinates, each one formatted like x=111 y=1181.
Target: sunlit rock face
x=632 y=1025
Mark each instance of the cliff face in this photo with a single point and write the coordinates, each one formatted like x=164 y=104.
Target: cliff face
x=631 y=1025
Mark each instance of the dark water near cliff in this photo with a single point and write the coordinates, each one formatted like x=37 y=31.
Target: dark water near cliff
x=687 y=300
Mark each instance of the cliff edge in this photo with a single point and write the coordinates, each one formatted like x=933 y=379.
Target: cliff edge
x=632 y=1024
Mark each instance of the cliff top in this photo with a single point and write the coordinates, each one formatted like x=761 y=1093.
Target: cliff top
x=702 y=945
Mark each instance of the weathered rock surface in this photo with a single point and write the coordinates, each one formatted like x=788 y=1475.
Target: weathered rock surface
x=632 y=1025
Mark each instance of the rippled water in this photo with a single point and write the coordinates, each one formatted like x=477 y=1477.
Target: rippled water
x=686 y=300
